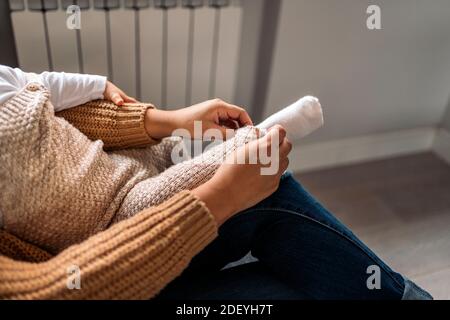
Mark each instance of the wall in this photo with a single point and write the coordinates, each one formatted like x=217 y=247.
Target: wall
x=441 y=145
x=248 y=64
x=446 y=121
x=369 y=82
x=8 y=54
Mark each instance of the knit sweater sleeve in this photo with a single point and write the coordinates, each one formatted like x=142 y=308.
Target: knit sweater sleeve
x=133 y=259
x=118 y=127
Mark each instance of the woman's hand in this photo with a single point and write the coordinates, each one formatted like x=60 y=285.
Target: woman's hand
x=236 y=187
x=114 y=94
x=214 y=114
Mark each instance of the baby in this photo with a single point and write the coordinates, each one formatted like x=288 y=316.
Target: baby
x=299 y=119
x=50 y=170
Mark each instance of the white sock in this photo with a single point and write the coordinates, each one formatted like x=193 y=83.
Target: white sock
x=299 y=119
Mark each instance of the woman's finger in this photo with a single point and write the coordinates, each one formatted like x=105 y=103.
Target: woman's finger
x=284 y=165
x=229 y=123
x=239 y=114
x=244 y=118
x=285 y=148
x=276 y=130
x=117 y=98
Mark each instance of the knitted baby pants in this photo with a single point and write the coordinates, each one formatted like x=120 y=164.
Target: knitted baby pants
x=186 y=175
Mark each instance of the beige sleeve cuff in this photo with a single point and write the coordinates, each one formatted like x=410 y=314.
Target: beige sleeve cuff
x=118 y=127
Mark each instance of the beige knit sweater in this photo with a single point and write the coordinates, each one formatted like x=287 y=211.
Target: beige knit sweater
x=61 y=191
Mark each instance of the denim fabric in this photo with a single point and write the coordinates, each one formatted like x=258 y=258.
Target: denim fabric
x=303 y=252
x=414 y=292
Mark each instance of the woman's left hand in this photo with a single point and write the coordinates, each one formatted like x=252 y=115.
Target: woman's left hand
x=213 y=114
x=114 y=94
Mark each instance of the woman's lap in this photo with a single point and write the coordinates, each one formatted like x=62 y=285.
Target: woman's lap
x=303 y=252
x=251 y=281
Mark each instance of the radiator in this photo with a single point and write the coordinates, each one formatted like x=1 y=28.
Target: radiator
x=171 y=53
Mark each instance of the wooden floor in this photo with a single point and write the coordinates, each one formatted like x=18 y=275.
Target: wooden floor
x=400 y=208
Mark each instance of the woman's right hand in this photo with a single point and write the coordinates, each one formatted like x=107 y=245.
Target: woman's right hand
x=236 y=187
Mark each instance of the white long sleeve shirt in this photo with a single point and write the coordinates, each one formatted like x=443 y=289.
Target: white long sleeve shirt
x=66 y=89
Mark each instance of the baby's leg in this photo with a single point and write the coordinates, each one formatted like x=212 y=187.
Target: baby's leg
x=299 y=119
x=187 y=175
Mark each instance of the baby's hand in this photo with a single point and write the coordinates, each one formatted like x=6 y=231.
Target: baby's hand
x=114 y=94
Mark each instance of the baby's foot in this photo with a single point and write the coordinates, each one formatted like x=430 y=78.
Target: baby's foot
x=299 y=119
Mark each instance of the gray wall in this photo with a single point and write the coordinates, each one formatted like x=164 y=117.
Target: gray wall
x=368 y=81
x=259 y=26
x=8 y=54
x=246 y=77
x=446 y=120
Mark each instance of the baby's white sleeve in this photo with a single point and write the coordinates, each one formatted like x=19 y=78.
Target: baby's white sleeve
x=11 y=81
x=66 y=89
x=71 y=89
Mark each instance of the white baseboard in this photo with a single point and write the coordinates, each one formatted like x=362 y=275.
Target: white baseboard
x=441 y=144
x=353 y=150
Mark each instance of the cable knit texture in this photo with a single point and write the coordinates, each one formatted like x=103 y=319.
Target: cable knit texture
x=118 y=127
x=134 y=259
x=58 y=187
x=187 y=175
x=122 y=217
x=17 y=249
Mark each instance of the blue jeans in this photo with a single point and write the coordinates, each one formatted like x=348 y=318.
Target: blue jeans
x=303 y=252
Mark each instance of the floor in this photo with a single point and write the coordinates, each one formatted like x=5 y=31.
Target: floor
x=400 y=208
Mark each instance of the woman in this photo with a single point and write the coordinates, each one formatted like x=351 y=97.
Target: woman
x=62 y=192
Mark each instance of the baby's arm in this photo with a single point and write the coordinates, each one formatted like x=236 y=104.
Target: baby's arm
x=66 y=89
